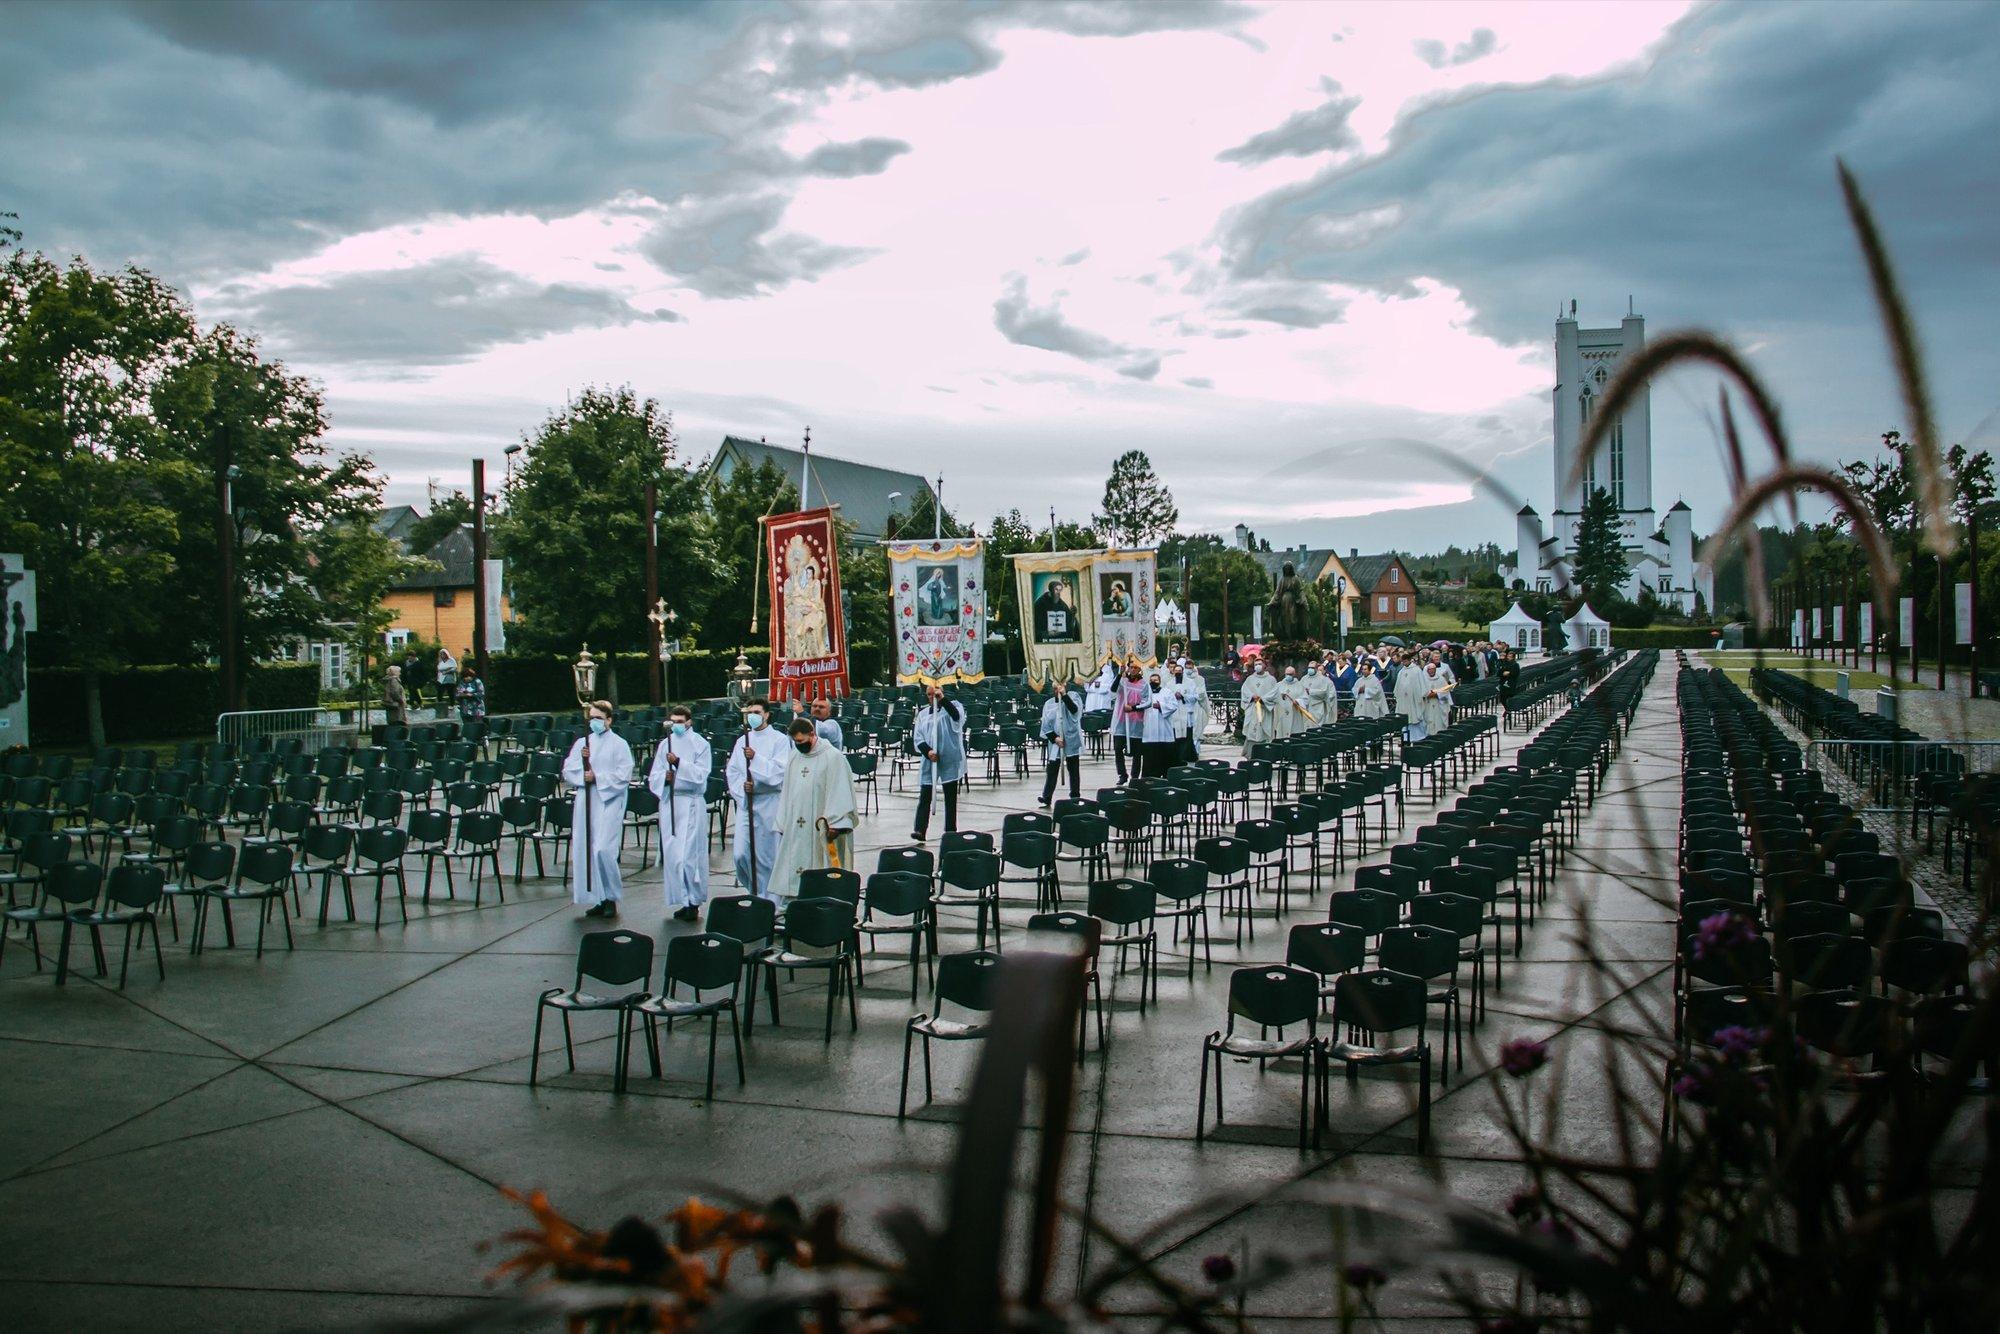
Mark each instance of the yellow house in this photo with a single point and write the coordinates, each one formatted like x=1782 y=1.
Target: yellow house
x=437 y=604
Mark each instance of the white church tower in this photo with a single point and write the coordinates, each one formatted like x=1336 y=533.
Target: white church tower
x=1660 y=557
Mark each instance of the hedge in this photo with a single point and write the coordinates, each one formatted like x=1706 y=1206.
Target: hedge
x=1666 y=636
x=157 y=703
x=544 y=682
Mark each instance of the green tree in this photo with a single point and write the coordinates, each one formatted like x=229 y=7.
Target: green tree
x=1228 y=580
x=1597 y=566
x=80 y=449
x=1481 y=608
x=920 y=519
x=354 y=565
x=575 y=531
x=449 y=512
x=736 y=503
x=1137 y=509
x=223 y=406
x=1008 y=536
x=1179 y=552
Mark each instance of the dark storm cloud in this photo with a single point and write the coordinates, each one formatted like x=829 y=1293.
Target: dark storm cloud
x=1481 y=44
x=1323 y=129
x=732 y=248
x=863 y=157
x=444 y=311
x=1020 y=320
x=1707 y=176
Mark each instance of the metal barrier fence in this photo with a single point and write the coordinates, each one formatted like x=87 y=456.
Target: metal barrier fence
x=317 y=728
x=1894 y=772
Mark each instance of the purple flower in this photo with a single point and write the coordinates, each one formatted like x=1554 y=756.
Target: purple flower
x=1737 y=1042
x=1363 y=1277
x=1697 y=1085
x=1523 y=1056
x=1218 y=1269
x=1722 y=932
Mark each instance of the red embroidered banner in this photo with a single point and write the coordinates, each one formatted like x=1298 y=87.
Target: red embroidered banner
x=808 y=640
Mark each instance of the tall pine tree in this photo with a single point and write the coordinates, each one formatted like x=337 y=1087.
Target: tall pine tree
x=1138 y=510
x=1598 y=566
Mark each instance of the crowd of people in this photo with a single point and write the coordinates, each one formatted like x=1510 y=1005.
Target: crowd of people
x=795 y=807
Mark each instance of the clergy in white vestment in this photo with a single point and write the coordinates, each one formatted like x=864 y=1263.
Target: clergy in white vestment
x=1260 y=704
x=1194 y=694
x=1320 y=693
x=679 y=778
x=1292 y=717
x=1369 y=701
x=1411 y=688
x=1437 y=700
x=756 y=773
x=599 y=767
x=817 y=814
x=1098 y=695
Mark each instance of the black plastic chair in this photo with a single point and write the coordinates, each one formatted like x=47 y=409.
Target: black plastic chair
x=618 y=958
x=969 y=876
x=263 y=877
x=753 y=923
x=705 y=962
x=69 y=891
x=904 y=895
x=825 y=927
x=1129 y=907
x=1183 y=882
x=1431 y=954
x=202 y=866
x=131 y=897
x=1326 y=949
x=966 y=981
x=1088 y=934
x=1033 y=854
x=1377 y=1002
x=1269 y=996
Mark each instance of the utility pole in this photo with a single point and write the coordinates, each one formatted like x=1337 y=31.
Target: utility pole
x=225 y=542
x=1941 y=622
x=653 y=588
x=479 y=567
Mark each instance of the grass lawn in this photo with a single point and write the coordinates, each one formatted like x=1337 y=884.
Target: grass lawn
x=1736 y=664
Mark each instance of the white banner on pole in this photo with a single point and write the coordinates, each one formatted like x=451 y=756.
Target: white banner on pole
x=1962 y=604
x=1194 y=625
x=1816 y=633
x=1798 y=627
x=1867 y=622
x=496 y=619
x=1257 y=624
x=1906 y=621
x=1839 y=626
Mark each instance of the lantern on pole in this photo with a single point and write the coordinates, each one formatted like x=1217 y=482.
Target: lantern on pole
x=585 y=670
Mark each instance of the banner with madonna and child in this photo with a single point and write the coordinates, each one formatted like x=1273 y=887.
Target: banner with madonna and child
x=1080 y=607
x=808 y=639
x=937 y=595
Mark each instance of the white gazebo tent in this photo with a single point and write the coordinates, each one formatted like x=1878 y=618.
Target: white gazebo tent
x=1167 y=616
x=1587 y=629
x=1518 y=628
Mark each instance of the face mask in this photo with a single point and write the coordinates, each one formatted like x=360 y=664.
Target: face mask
x=756 y=721
x=597 y=726
x=680 y=729
x=805 y=747
x=1156 y=685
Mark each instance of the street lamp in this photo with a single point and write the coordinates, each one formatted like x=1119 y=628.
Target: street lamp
x=510 y=452
x=1340 y=607
x=893 y=497
x=226 y=543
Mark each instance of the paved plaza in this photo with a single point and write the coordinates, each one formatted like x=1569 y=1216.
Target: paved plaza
x=318 y=1139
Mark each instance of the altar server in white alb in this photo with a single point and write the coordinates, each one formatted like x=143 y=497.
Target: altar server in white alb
x=1319 y=694
x=1163 y=711
x=1194 y=697
x=599 y=767
x=1437 y=699
x=756 y=776
x=679 y=779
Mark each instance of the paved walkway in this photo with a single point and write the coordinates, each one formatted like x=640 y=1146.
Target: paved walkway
x=318 y=1139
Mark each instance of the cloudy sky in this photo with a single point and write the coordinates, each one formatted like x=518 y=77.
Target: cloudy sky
x=1282 y=247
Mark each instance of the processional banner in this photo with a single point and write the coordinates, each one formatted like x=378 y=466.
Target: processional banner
x=808 y=644
x=1080 y=607
x=937 y=594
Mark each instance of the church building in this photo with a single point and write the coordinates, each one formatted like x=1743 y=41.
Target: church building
x=1659 y=553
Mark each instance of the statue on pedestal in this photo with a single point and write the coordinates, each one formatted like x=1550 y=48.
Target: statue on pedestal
x=1288 y=606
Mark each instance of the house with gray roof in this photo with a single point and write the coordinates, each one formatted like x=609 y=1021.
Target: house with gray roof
x=861 y=490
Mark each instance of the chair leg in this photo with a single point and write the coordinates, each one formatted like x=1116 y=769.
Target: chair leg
x=535 y=1058
x=1201 y=1096
x=736 y=1037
